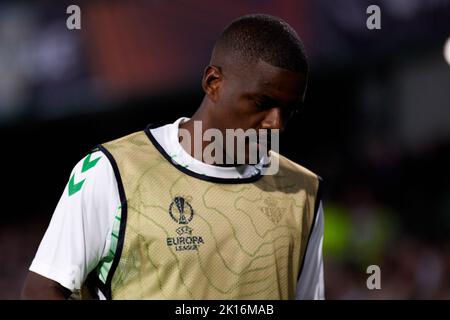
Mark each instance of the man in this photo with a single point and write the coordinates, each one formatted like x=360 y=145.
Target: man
x=144 y=217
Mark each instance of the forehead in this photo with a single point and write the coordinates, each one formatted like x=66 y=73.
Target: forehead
x=262 y=78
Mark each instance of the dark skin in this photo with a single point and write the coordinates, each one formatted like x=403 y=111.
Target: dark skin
x=237 y=95
x=241 y=95
x=37 y=287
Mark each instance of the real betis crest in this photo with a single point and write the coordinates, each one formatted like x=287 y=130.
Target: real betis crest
x=272 y=210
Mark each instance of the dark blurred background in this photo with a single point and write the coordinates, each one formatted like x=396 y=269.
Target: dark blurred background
x=375 y=126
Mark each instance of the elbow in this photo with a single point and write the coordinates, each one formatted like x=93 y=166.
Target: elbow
x=37 y=287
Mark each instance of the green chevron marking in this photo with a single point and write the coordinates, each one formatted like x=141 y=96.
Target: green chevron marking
x=74 y=187
x=87 y=163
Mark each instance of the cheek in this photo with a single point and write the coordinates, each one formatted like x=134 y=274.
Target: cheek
x=231 y=105
x=248 y=115
x=236 y=111
x=227 y=100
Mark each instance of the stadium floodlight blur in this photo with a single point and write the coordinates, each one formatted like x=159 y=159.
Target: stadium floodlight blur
x=447 y=50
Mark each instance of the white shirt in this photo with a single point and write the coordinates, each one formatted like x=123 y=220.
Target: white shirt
x=79 y=233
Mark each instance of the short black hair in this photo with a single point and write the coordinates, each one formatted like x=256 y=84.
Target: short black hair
x=265 y=37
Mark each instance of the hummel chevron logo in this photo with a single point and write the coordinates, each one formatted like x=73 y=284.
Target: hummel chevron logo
x=74 y=187
x=87 y=164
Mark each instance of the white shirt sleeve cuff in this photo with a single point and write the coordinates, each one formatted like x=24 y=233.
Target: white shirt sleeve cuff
x=64 y=278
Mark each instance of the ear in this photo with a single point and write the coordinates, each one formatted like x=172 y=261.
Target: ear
x=212 y=79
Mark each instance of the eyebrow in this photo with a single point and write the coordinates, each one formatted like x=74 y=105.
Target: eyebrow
x=268 y=99
x=265 y=98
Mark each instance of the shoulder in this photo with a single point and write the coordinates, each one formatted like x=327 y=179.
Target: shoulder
x=92 y=177
x=290 y=168
x=136 y=138
x=292 y=173
x=92 y=169
x=288 y=164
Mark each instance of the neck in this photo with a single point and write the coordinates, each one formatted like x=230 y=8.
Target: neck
x=207 y=122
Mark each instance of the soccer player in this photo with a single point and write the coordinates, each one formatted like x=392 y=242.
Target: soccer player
x=143 y=217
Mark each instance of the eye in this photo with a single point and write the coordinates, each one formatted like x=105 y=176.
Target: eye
x=261 y=105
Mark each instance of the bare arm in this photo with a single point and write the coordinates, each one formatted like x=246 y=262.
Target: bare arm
x=37 y=287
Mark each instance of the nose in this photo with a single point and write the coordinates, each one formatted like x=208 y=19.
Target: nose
x=273 y=119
